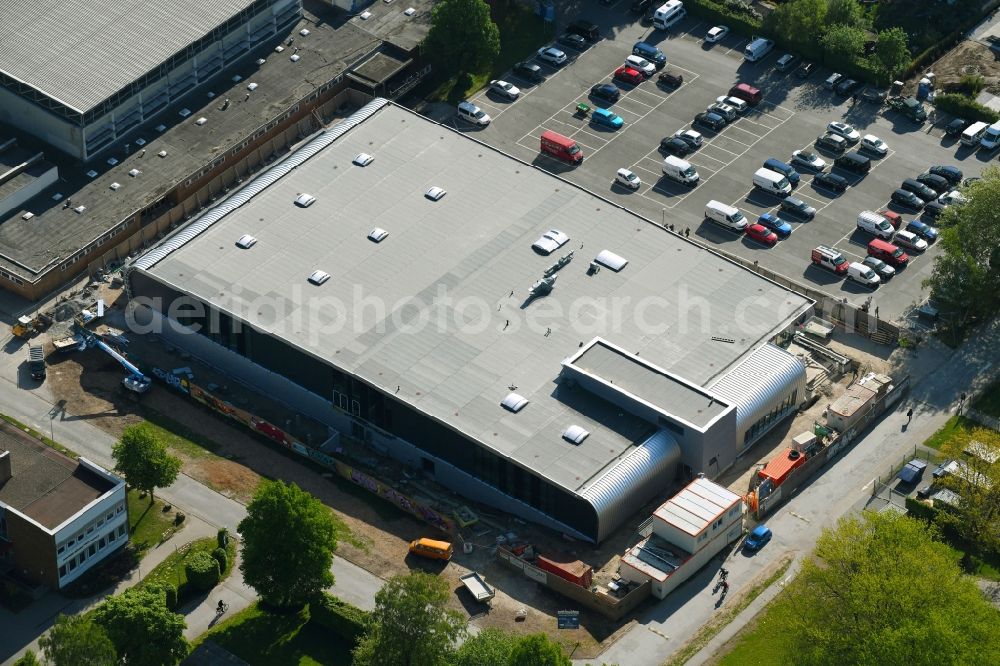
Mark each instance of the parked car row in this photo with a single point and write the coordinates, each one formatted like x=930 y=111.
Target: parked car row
x=930 y=192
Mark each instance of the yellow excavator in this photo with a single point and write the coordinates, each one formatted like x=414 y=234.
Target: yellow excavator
x=27 y=326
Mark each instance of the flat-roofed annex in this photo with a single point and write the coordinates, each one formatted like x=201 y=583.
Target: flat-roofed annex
x=467 y=261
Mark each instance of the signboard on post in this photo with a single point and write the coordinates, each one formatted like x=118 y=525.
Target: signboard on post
x=568 y=619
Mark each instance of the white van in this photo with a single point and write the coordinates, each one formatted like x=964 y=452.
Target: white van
x=875 y=224
x=991 y=137
x=772 y=182
x=973 y=133
x=757 y=49
x=669 y=14
x=862 y=274
x=471 y=113
x=680 y=170
x=727 y=216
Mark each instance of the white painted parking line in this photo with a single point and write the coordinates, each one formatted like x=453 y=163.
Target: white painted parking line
x=696 y=159
x=739 y=47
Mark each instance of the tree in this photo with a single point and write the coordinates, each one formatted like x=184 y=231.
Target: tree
x=28 y=659
x=144 y=631
x=892 y=52
x=798 y=23
x=977 y=516
x=846 y=12
x=462 y=35
x=287 y=570
x=883 y=590
x=75 y=640
x=842 y=45
x=410 y=625
x=143 y=459
x=490 y=647
x=538 y=650
x=966 y=278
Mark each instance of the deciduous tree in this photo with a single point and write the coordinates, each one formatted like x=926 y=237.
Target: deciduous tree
x=842 y=45
x=977 y=516
x=490 y=647
x=288 y=541
x=462 y=35
x=798 y=23
x=846 y=12
x=75 y=640
x=882 y=590
x=410 y=625
x=538 y=650
x=144 y=631
x=892 y=53
x=143 y=459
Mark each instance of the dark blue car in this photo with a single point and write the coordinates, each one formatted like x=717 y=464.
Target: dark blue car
x=650 y=53
x=925 y=231
x=775 y=224
x=758 y=538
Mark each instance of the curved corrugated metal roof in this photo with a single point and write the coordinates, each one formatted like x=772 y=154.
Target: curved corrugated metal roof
x=257 y=185
x=620 y=491
x=759 y=383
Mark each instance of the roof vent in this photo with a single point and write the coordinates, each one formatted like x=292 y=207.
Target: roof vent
x=237 y=78
x=305 y=200
x=201 y=121
x=134 y=172
x=184 y=113
x=295 y=57
x=279 y=48
x=377 y=234
x=160 y=128
x=162 y=153
x=363 y=159
x=251 y=86
x=575 y=434
x=140 y=142
x=319 y=277
x=27 y=216
x=246 y=241
x=410 y=11
x=304 y=31
x=92 y=174
x=435 y=193
x=57 y=196
x=514 y=402
x=365 y=15
x=115 y=186
x=261 y=61
x=611 y=260
x=80 y=209
x=112 y=161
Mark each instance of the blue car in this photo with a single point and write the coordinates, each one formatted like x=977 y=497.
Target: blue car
x=925 y=231
x=775 y=224
x=650 y=53
x=607 y=118
x=758 y=538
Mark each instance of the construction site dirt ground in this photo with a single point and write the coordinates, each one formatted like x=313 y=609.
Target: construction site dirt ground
x=968 y=58
x=232 y=460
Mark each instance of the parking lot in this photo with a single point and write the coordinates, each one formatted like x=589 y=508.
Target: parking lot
x=794 y=112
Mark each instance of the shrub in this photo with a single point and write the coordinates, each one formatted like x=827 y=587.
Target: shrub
x=964 y=107
x=972 y=84
x=345 y=620
x=202 y=570
x=739 y=16
x=220 y=556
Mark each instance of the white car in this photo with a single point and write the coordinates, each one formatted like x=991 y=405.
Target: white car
x=844 y=130
x=628 y=179
x=551 y=240
x=724 y=110
x=951 y=198
x=641 y=64
x=910 y=240
x=808 y=158
x=873 y=144
x=689 y=136
x=716 y=34
x=508 y=90
x=551 y=55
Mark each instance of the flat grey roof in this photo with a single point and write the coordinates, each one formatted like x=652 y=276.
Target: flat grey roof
x=80 y=52
x=437 y=315
x=649 y=384
x=58 y=233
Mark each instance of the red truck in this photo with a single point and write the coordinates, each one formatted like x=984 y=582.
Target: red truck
x=561 y=147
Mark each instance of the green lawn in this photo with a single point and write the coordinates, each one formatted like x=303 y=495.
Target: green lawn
x=761 y=644
x=956 y=425
x=147 y=523
x=261 y=637
x=521 y=34
x=171 y=570
x=178 y=436
x=989 y=401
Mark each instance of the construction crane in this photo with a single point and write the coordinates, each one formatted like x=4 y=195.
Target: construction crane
x=136 y=382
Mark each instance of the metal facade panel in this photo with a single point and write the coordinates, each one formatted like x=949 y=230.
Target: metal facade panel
x=760 y=383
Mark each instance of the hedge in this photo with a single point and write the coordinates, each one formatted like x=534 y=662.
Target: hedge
x=964 y=107
x=918 y=509
x=202 y=571
x=220 y=556
x=345 y=620
x=718 y=12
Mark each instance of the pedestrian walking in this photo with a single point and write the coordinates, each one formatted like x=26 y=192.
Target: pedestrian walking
x=854 y=99
x=725 y=587
x=909 y=414
x=723 y=574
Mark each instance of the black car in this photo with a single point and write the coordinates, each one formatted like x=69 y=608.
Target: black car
x=675 y=146
x=939 y=184
x=589 y=31
x=956 y=127
x=933 y=209
x=907 y=199
x=606 y=91
x=805 y=70
x=952 y=174
x=847 y=86
x=670 y=80
x=528 y=71
x=918 y=188
x=873 y=95
x=712 y=121
x=574 y=41
x=798 y=208
x=640 y=6
x=830 y=181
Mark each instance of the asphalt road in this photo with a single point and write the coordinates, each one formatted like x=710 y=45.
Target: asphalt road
x=792 y=115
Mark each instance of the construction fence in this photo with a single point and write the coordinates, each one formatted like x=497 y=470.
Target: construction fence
x=883 y=494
